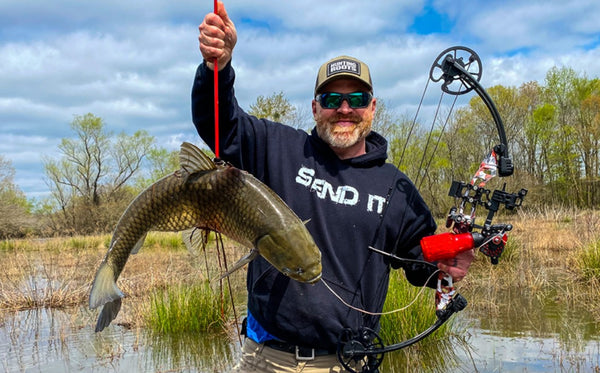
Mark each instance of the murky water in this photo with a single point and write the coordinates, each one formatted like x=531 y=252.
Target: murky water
x=64 y=341
x=521 y=336
x=531 y=333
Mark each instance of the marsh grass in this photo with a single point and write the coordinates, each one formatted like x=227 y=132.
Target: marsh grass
x=195 y=308
x=58 y=272
x=412 y=320
x=588 y=261
x=552 y=260
x=163 y=241
x=37 y=275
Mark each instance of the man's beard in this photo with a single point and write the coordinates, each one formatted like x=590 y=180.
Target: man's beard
x=343 y=137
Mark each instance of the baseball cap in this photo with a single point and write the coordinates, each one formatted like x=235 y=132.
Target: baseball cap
x=343 y=67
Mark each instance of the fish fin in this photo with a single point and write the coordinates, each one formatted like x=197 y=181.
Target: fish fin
x=108 y=314
x=240 y=263
x=104 y=289
x=192 y=159
x=138 y=245
x=305 y=221
x=193 y=239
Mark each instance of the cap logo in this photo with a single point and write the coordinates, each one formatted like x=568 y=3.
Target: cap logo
x=343 y=66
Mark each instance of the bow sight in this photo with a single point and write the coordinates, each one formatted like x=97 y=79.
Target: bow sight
x=460 y=70
x=492 y=238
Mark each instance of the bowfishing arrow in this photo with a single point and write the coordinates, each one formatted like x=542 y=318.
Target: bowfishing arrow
x=459 y=69
x=216 y=92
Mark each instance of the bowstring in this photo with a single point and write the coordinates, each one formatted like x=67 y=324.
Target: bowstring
x=439 y=139
x=391 y=189
x=412 y=126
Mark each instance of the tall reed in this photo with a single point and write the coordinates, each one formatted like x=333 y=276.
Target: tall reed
x=196 y=308
x=588 y=261
x=409 y=322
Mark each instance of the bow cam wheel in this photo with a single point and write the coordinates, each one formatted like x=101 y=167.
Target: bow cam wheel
x=448 y=65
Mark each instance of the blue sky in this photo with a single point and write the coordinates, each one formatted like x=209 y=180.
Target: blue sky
x=132 y=63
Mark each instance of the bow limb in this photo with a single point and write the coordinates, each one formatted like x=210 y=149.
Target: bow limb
x=455 y=68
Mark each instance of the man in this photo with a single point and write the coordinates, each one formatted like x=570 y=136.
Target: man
x=337 y=179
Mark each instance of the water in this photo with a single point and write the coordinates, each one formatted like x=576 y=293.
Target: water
x=64 y=341
x=494 y=353
x=523 y=337
x=531 y=333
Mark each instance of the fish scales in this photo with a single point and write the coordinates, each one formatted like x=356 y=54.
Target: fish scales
x=212 y=196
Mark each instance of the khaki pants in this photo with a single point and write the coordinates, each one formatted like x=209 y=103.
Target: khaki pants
x=257 y=358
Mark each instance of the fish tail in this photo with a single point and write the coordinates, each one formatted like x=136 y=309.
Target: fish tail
x=104 y=289
x=108 y=314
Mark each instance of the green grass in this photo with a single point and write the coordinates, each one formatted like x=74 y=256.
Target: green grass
x=196 y=308
x=157 y=241
x=588 y=259
x=407 y=323
x=511 y=250
x=8 y=245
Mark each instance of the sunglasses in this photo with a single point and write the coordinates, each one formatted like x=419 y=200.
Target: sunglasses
x=333 y=100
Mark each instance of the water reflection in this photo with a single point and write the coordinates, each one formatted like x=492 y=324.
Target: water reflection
x=518 y=314
x=428 y=356
x=495 y=353
x=51 y=341
x=190 y=353
x=532 y=332
x=26 y=346
x=527 y=336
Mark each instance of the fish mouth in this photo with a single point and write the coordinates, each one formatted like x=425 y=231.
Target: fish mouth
x=315 y=279
x=301 y=276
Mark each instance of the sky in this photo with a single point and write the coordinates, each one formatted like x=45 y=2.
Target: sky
x=132 y=63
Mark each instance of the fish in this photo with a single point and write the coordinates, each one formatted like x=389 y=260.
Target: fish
x=213 y=196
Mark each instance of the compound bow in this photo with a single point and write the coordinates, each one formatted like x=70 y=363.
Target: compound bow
x=459 y=68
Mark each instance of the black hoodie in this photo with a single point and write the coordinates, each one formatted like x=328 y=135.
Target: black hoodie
x=343 y=202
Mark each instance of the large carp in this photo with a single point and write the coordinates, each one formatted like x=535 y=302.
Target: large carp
x=212 y=196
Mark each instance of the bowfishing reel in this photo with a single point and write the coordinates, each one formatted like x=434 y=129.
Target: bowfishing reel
x=363 y=350
x=360 y=349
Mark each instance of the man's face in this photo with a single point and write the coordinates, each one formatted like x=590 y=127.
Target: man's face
x=344 y=127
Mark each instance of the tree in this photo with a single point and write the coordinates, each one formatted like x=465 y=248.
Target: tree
x=276 y=108
x=15 y=217
x=93 y=172
x=162 y=162
x=528 y=136
x=588 y=131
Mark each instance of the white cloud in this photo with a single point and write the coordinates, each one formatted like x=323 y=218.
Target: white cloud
x=132 y=64
x=546 y=26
